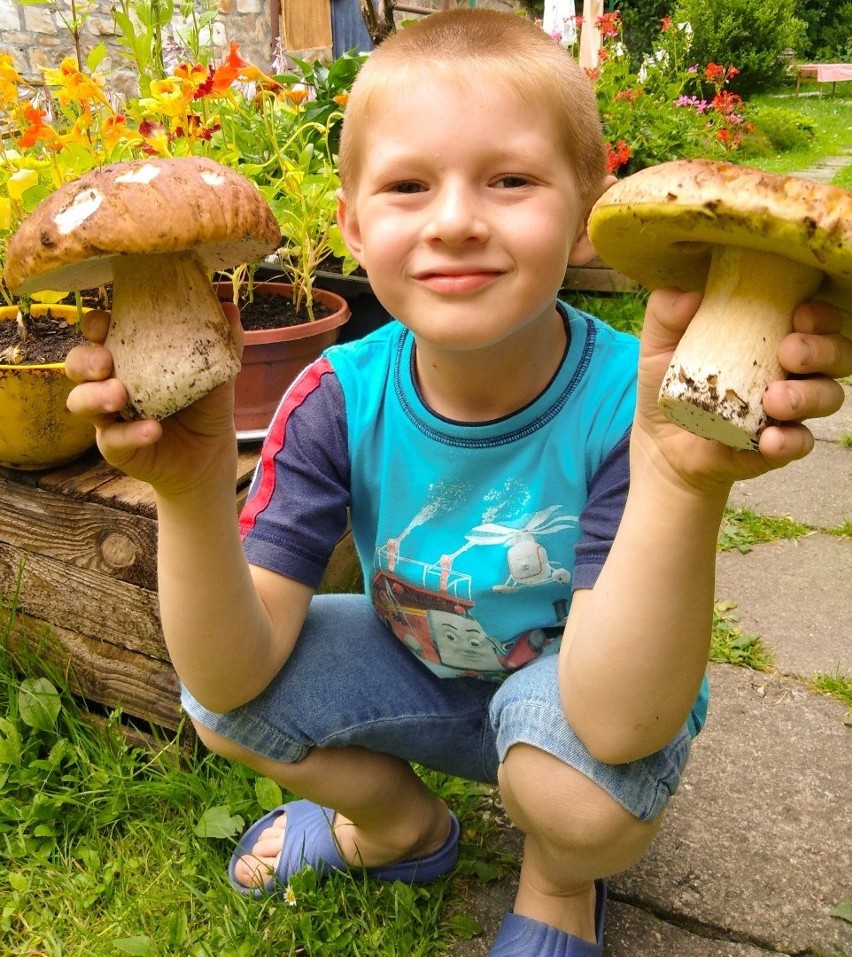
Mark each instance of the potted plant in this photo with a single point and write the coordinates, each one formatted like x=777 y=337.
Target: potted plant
x=278 y=131
x=283 y=138
x=36 y=429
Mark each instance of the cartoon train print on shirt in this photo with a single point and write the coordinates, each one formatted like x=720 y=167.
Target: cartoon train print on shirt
x=429 y=605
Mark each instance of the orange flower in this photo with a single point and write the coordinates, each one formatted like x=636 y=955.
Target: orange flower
x=37 y=131
x=296 y=96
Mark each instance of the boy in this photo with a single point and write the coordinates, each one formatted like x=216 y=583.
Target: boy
x=527 y=620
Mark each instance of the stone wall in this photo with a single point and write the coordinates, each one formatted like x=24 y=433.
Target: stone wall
x=37 y=36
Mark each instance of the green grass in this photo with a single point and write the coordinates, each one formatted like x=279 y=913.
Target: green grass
x=730 y=644
x=624 y=312
x=835 y=685
x=741 y=529
x=831 y=120
x=112 y=849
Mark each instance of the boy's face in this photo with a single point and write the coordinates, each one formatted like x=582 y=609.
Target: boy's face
x=466 y=211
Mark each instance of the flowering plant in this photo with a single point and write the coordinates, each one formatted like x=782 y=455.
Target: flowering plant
x=277 y=130
x=659 y=112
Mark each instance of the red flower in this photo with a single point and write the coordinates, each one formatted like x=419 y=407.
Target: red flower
x=667 y=24
x=609 y=24
x=714 y=73
x=616 y=156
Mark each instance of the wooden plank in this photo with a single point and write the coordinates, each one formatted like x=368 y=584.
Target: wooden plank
x=306 y=24
x=83 y=601
x=596 y=276
x=115 y=677
x=93 y=537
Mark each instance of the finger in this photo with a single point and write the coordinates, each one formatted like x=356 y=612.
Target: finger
x=816 y=317
x=796 y=399
x=672 y=309
x=88 y=364
x=805 y=354
x=95 y=325
x=119 y=441
x=780 y=445
x=97 y=400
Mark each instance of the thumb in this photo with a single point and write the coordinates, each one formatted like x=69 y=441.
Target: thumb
x=667 y=315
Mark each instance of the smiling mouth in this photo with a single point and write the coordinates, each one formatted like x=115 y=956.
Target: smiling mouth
x=458 y=282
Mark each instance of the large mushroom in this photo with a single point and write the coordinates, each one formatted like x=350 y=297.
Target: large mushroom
x=156 y=229
x=758 y=245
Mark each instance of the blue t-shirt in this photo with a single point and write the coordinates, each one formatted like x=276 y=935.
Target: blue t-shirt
x=471 y=537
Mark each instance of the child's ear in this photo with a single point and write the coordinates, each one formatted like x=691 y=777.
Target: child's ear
x=583 y=251
x=348 y=223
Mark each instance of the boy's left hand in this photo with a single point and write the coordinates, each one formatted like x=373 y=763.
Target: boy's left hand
x=814 y=351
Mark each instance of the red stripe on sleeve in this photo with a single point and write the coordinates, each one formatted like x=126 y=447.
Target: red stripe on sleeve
x=264 y=480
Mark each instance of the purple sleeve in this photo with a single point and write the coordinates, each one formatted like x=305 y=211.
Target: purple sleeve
x=602 y=513
x=296 y=510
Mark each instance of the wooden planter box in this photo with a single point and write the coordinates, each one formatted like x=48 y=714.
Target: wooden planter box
x=78 y=552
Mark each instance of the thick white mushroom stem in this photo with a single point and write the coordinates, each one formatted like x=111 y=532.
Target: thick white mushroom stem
x=169 y=339
x=729 y=354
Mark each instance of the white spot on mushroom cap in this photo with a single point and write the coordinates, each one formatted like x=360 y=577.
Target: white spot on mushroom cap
x=81 y=207
x=141 y=174
x=212 y=178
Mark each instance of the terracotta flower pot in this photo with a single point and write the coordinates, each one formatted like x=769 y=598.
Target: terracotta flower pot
x=36 y=429
x=273 y=358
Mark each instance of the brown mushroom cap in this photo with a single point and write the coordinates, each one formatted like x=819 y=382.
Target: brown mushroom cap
x=659 y=225
x=137 y=208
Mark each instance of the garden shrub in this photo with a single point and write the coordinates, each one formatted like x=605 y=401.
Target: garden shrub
x=829 y=30
x=784 y=129
x=750 y=35
x=657 y=112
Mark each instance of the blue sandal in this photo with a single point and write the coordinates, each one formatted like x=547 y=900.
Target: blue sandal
x=309 y=842
x=522 y=936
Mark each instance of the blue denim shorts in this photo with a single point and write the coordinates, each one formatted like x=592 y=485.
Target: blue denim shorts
x=349 y=681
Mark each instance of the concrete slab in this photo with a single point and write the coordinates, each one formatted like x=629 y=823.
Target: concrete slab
x=797 y=596
x=632 y=932
x=756 y=847
x=816 y=490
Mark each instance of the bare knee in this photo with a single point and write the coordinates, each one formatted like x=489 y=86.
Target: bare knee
x=564 y=811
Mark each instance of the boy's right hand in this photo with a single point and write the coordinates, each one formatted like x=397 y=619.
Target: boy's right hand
x=176 y=455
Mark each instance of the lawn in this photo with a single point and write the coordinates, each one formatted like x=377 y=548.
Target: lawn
x=830 y=119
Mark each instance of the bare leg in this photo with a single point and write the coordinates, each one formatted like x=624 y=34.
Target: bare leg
x=384 y=811
x=574 y=833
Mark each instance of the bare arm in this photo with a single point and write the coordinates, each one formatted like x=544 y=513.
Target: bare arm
x=228 y=627
x=637 y=643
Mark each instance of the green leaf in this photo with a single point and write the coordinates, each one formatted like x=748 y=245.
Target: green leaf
x=268 y=794
x=218 y=822
x=464 y=926
x=95 y=58
x=10 y=743
x=843 y=911
x=39 y=704
x=141 y=945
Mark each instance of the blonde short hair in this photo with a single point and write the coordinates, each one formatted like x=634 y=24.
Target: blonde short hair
x=481 y=46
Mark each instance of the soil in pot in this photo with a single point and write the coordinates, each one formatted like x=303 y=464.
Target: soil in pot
x=50 y=341
x=261 y=313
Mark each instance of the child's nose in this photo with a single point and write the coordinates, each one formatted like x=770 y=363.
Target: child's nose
x=456 y=216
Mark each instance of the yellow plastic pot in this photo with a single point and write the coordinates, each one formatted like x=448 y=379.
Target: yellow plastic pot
x=36 y=429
